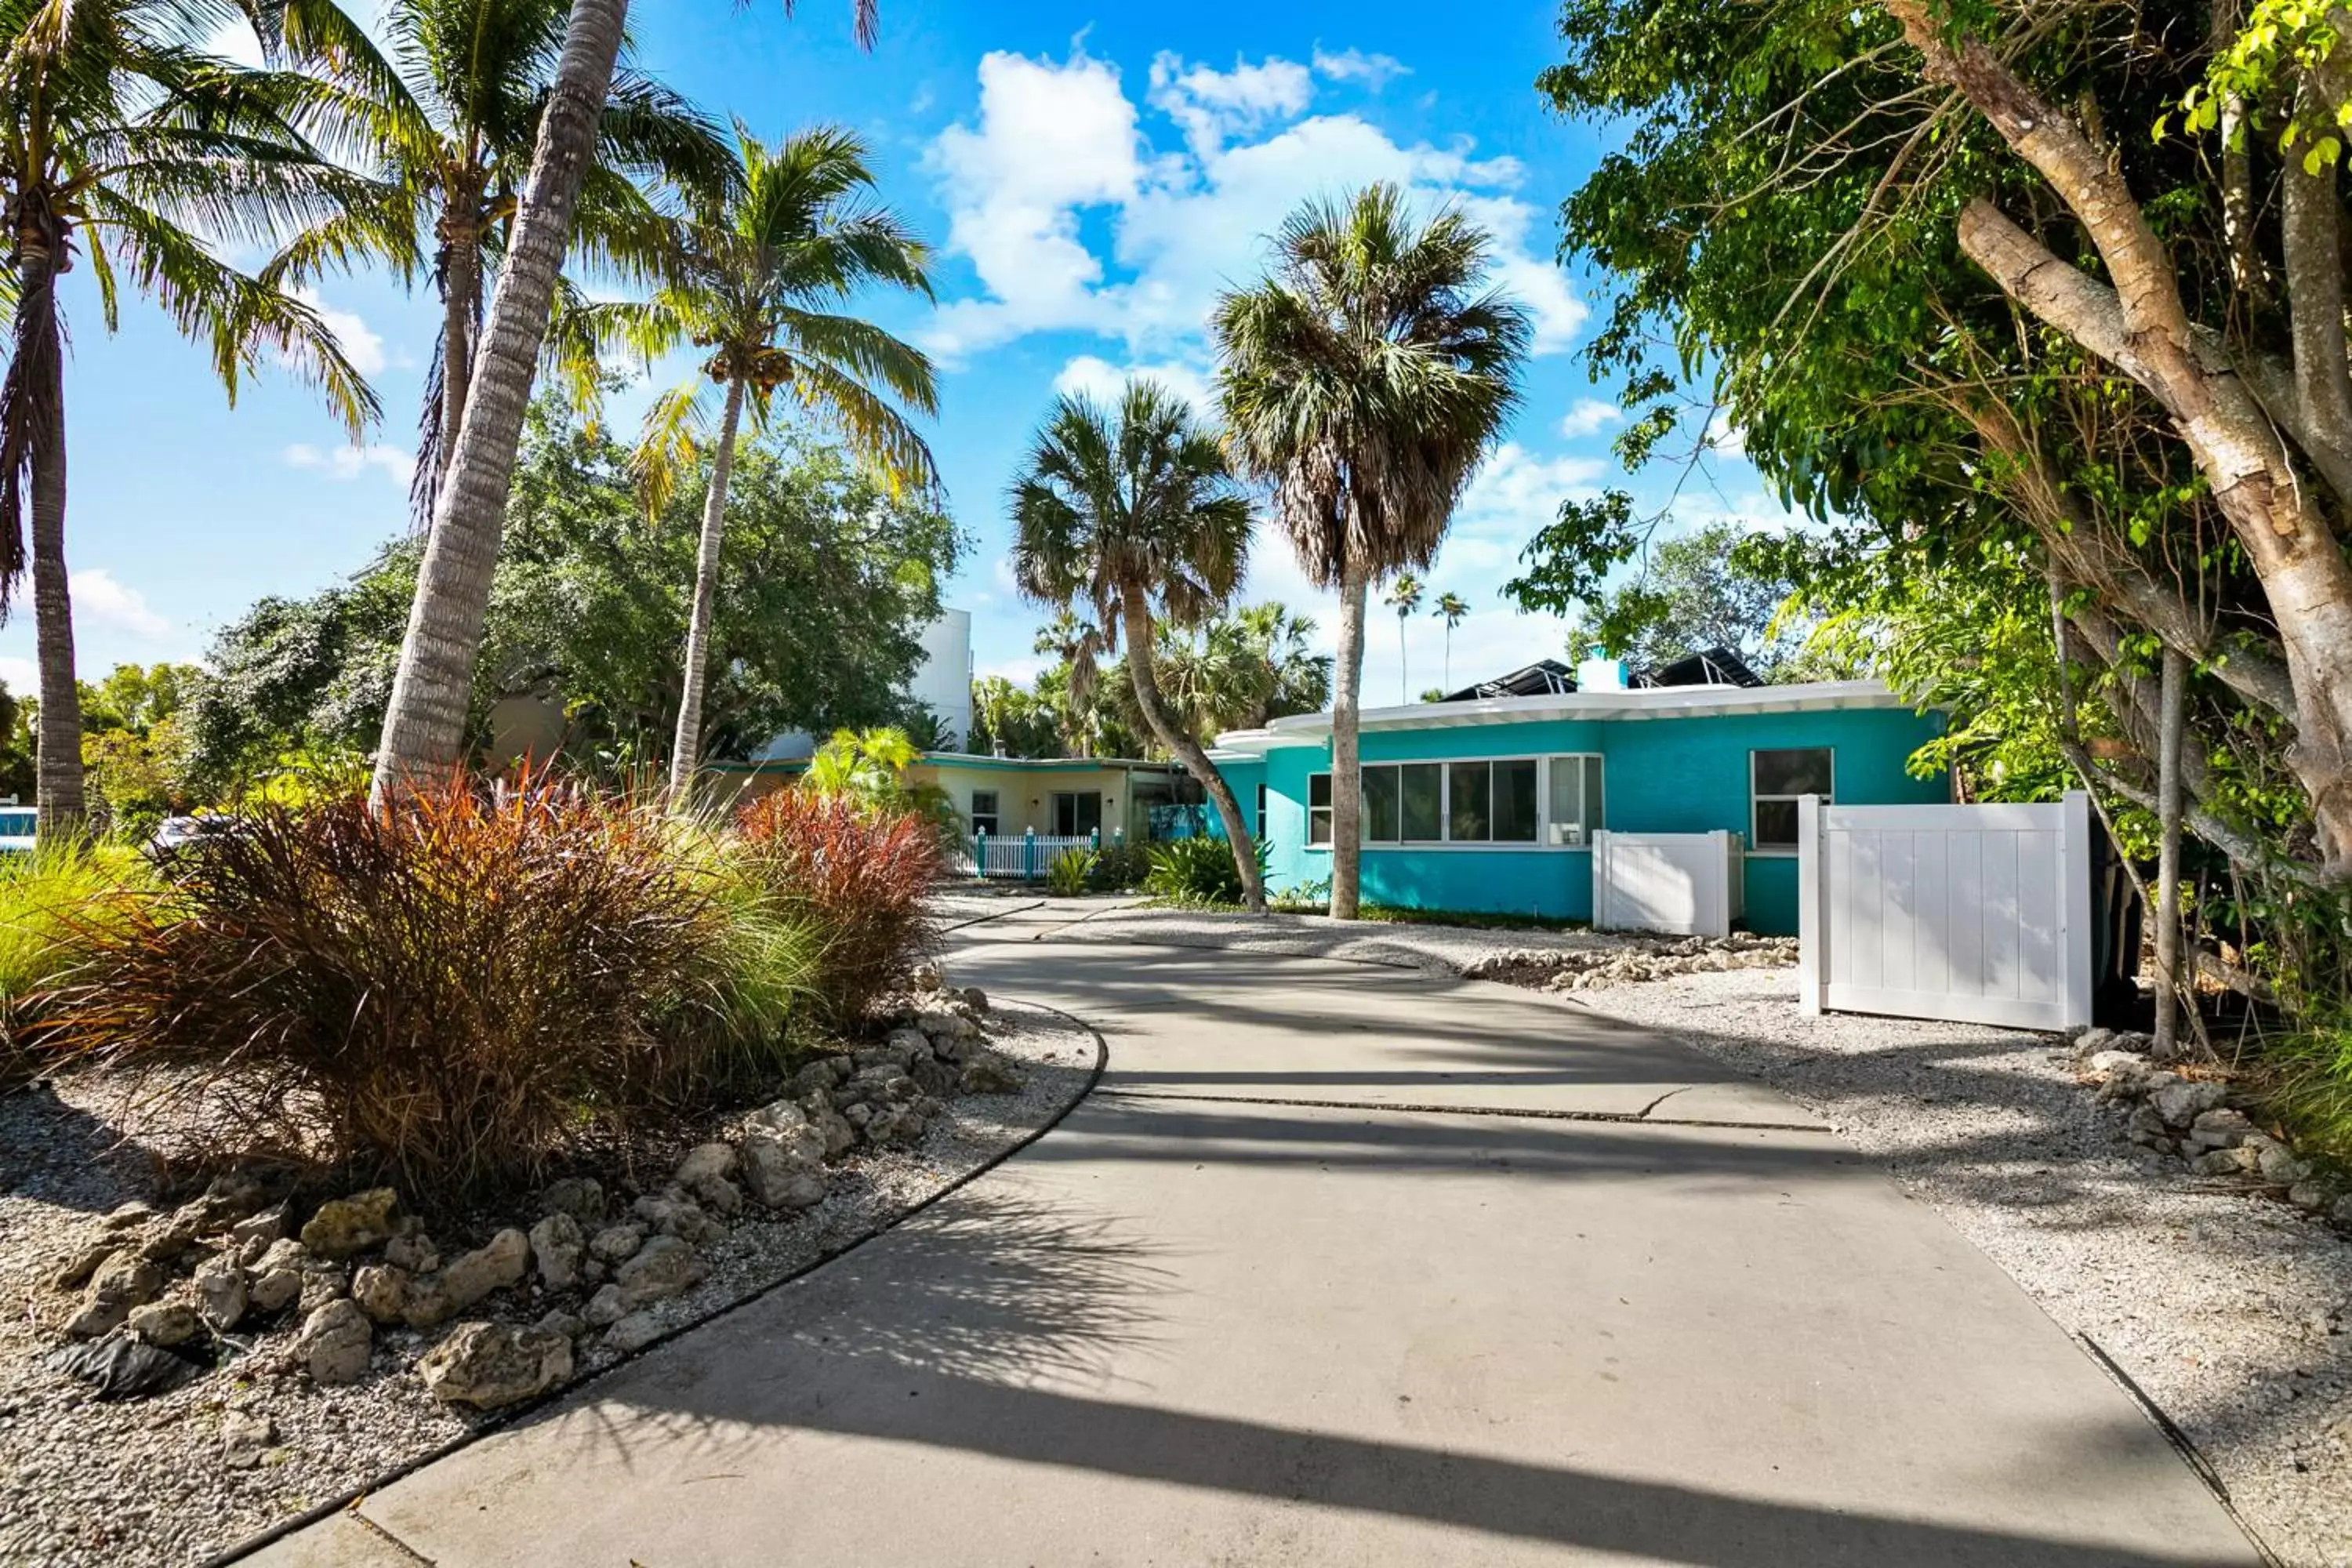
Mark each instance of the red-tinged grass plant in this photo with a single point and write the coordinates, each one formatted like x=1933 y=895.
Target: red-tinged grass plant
x=855 y=874
x=449 y=992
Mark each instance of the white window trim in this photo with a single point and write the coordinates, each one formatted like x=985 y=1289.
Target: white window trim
x=1756 y=845
x=1541 y=842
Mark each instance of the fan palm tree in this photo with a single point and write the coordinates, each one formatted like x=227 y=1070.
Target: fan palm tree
x=1077 y=645
x=452 y=107
x=424 y=721
x=1450 y=608
x=1134 y=511
x=1364 y=380
x=752 y=277
x=1404 y=598
x=130 y=143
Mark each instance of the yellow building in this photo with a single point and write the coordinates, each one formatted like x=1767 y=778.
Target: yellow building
x=1008 y=797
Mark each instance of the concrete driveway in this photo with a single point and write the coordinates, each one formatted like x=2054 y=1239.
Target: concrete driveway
x=1345 y=1265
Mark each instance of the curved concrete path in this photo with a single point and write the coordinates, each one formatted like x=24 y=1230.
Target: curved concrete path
x=1350 y=1265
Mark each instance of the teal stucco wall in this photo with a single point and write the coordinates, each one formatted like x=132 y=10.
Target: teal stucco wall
x=1677 y=774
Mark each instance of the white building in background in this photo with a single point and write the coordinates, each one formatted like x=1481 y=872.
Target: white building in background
x=942 y=681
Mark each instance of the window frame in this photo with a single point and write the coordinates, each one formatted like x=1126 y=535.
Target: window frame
x=1323 y=813
x=1445 y=765
x=1756 y=845
x=994 y=813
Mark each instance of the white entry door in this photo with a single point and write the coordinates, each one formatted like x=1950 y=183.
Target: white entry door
x=1979 y=913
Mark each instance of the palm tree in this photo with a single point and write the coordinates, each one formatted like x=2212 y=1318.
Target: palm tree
x=1134 y=510
x=424 y=721
x=750 y=278
x=127 y=139
x=1364 y=380
x=1404 y=598
x=451 y=107
x=1076 y=647
x=1452 y=607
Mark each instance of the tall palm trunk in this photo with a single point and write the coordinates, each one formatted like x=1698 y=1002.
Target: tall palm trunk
x=685 y=751
x=1404 y=669
x=1188 y=751
x=57 y=776
x=1347 y=777
x=461 y=285
x=425 y=723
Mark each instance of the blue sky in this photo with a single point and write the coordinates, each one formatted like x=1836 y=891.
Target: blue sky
x=1092 y=176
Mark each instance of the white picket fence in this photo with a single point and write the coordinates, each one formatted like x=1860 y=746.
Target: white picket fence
x=1023 y=857
x=1977 y=913
x=1693 y=884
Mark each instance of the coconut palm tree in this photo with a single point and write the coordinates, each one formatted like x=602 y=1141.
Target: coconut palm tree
x=1133 y=511
x=1404 y=598
x=424 y=721
x=751 y=278
x=1450 y=608
x=451 y=107
x=129 y=142
x=1078 y=646
x=1364 y=380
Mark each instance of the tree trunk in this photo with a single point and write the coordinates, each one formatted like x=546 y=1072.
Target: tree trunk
x=2139 y=324
x=461 y=283
x=1347 y=777
x=425 y=723
x=2167 y=912
x=686 y=748
x=1188 y=750
x=1404 y=674
x=58 y=774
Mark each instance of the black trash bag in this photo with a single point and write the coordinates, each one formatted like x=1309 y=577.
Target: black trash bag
x=120 y=1367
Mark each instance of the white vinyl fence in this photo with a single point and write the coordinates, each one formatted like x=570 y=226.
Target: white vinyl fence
x=1692 y=884
x=1977 y=913
x=1021 y=857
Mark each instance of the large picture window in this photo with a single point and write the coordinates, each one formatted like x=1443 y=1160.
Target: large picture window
x=1776 y=781
x=1483 y=800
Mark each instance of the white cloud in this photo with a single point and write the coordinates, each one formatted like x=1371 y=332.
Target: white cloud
x=1103 y=382
x=1051 y=141
x=345 y=463
x=361 y=342
x=97 y=598
x=1723 y=438
x=1589 y=417
x=22 y=677
x=1375 y=71
x=1212 y=105
x=1057 y=146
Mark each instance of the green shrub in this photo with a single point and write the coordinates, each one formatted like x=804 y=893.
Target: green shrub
x=2306 y=1080
x=1071 y=873
x=857 y=874
x=1197 y=871
x=453 y=993
x=53 y=904
x=1120 y=868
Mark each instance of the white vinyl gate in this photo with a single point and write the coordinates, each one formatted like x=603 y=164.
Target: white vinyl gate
x=1979 y=913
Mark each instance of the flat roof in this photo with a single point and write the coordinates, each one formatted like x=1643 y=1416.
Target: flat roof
x=1649 y=702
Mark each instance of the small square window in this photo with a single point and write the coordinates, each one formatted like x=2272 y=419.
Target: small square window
x=1778 y=779
x=985 y=817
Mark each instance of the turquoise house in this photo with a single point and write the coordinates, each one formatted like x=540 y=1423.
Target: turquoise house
x=1489 y=803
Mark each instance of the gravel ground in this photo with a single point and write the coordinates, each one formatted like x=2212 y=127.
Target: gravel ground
x=88 y=1482
x=2231 y=1312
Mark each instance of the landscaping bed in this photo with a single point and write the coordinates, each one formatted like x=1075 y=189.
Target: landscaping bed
x=316 y=1382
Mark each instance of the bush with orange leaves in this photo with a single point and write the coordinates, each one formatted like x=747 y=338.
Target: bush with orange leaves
x=855 y=874
x=451 y=993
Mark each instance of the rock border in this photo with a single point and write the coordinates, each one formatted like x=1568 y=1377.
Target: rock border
x=508 y=1415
